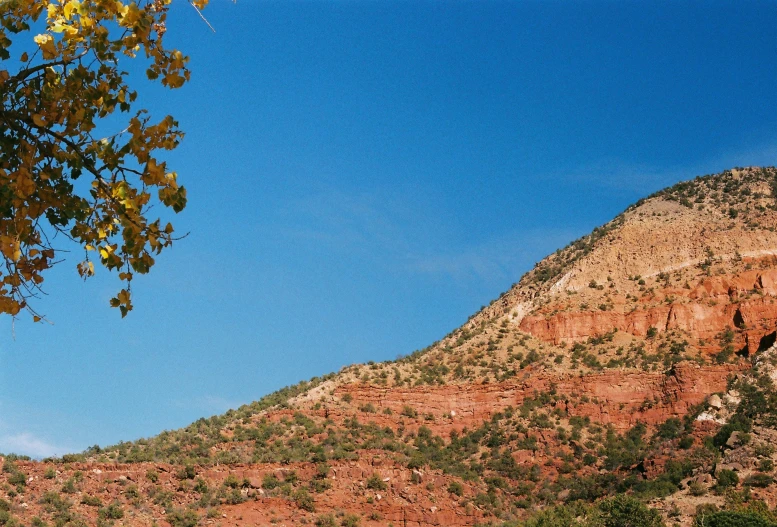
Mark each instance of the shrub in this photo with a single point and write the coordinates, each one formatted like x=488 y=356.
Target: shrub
x=270 y=481
x=320 y=485
x=182 y=518
x=111 y=512
x=670 y=428
x=727 y=478
x=231 y=481
x=455 y=488
x=92 y=501
x=697 y=489
x=626 y=511
x=350 y=520
x=201 y=486
x=186 y=472
x=234 y=497
x=69 y=486
x=327 y=520
x=685 y=442
x=759 y=479
x=407 y=411
x=375 y=483
x=730 y=519
x=18 y=478
x=304 y=500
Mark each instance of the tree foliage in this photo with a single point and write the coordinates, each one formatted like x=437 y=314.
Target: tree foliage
x=68 y=172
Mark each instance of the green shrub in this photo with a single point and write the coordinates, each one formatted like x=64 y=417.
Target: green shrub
x=759 y=479
x=270 y=481
x=18 y=479
x=186 y=472
x=326 y=520
x=350 y=520
x=304 y=500
x=320 y=485
x=182 y=518
x=731 y=519
x=455 y=488
x=111 y=512
x=234 y=497
x=92 y=501
x=201 y=486
x=69 y=487
x=727 y=478
x=670 y=429
x=626 y=511
x=685 y=442
x=231 y=481
x=407 y=411
x=697 y=489
x=375 y=483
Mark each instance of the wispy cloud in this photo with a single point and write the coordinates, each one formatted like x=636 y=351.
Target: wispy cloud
x=390 y=230
x=494 y=259
x=29 y=444
x=348 y=220
x=646 y=178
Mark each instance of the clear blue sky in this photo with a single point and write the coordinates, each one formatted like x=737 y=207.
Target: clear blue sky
x=363 y=176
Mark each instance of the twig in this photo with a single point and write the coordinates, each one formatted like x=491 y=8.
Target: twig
x=191 y=3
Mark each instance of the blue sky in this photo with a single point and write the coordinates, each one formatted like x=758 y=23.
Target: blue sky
x=363 y=176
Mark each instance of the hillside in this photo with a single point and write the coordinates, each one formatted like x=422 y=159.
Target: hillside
x=629 y=373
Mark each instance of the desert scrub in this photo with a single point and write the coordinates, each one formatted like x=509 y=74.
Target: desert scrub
x=376 y=483
x=111 y=512
x=182 y=518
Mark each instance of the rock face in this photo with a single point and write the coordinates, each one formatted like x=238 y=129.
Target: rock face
x=709 y=309
x=615 y=397
x=590 y=370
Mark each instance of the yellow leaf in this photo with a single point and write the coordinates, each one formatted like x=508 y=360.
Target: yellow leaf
x=38 y=120
x=46 y=44
x=173 y=80
x=71 y=6
x=36 y=318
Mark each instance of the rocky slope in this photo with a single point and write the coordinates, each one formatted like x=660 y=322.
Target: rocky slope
x=635 y=362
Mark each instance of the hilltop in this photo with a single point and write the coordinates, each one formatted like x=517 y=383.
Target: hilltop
x=627 y=373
